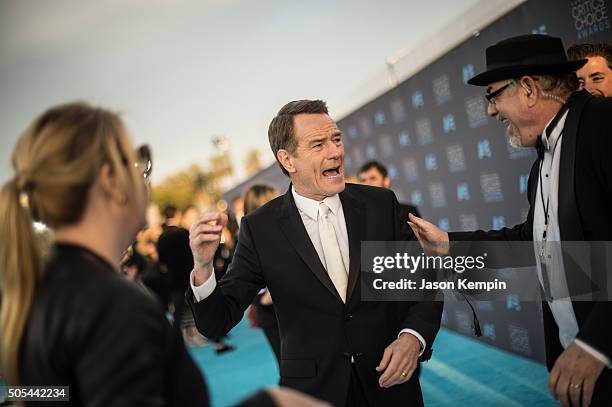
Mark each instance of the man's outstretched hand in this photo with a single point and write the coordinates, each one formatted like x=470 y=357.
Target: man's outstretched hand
x=433 y=239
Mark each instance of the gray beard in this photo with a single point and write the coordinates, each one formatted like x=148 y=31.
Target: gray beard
x=514 y=138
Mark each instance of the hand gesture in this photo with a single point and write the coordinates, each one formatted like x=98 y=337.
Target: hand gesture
x=399 y=360
x=204 y=237
x=433 y=239
x=572 y=379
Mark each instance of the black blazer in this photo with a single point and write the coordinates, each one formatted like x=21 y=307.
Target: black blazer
x=585 y=199
x=98 y=333
x=319 y=333
x=405 y=209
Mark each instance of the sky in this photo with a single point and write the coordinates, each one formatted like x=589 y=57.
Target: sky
x=183 y=72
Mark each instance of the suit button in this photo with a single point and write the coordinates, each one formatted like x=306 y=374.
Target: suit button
x=348 y=317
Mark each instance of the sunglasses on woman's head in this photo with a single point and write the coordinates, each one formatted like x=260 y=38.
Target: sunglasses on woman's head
x=144 y=162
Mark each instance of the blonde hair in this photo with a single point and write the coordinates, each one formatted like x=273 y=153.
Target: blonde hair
x=258 y=195
x=56 y=161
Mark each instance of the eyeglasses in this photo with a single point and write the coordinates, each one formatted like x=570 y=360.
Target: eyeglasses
x=491 y=96
x=144 y=162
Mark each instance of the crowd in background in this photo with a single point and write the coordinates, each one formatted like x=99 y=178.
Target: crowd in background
x=160 y=261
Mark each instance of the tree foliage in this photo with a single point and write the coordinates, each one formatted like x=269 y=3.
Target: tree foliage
x=194 y=185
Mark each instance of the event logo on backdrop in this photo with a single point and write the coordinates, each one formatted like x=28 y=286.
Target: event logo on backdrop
x=590 y=17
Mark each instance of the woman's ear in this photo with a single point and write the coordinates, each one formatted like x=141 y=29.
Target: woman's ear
x=109 y=185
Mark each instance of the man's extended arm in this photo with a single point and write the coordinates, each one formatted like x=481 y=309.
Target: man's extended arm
x=222 y=304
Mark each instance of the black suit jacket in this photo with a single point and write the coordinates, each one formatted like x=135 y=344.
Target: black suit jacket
x=584 y=202
x=98 y=333
x=319 y=333
x=101 y=335
x=405 y=209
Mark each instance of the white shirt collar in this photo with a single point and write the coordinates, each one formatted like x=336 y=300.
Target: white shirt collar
x=549 y=143
x=311 y=207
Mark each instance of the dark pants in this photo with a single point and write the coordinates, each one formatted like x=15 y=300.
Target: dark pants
x=602 y=396
x=178 y=300
x=356 y=396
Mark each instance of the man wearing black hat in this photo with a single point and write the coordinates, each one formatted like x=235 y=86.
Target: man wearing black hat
x=531 y=89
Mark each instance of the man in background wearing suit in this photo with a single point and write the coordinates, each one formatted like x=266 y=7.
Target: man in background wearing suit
x=305 y=247
x=375 y=174
x=531 y=88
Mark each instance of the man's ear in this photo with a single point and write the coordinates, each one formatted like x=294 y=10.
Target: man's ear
x=386 y=182
x=109 y=186
x=286 y=160
x=528 y=85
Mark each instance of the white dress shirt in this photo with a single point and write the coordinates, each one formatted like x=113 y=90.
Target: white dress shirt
x=548 y=188
x=309 y=212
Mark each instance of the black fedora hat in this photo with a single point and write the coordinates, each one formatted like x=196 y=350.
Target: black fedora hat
x=533 y=54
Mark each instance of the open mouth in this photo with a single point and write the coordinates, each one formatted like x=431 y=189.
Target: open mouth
x=504 y=121
x=332 y=172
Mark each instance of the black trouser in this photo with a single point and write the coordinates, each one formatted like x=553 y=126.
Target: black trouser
x=356 y=396
x=602 y=396
x=178 y=300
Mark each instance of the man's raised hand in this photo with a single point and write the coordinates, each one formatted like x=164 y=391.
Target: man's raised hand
x=204 y=237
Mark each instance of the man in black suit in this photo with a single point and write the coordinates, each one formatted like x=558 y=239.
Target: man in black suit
x=375 y=174
x=305 y=247
x=531 y=88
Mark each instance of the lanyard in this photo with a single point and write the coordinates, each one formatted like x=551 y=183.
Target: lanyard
x=545 y=206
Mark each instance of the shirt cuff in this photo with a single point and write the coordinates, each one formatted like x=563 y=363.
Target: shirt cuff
x=205 y=290
x=594 y=352
x=418 y=336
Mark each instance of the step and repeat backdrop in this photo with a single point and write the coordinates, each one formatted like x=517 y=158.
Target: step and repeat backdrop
x=447 y=157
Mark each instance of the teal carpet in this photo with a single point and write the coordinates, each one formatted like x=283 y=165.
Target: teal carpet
x=462 y=372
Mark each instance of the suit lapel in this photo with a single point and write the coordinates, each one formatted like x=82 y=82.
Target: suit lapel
x=533 y=183
x=293 y=227
x=354 y=215
x=569 y=223
x=579 y=279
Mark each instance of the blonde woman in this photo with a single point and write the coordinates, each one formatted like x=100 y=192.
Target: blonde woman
x=70 y=319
